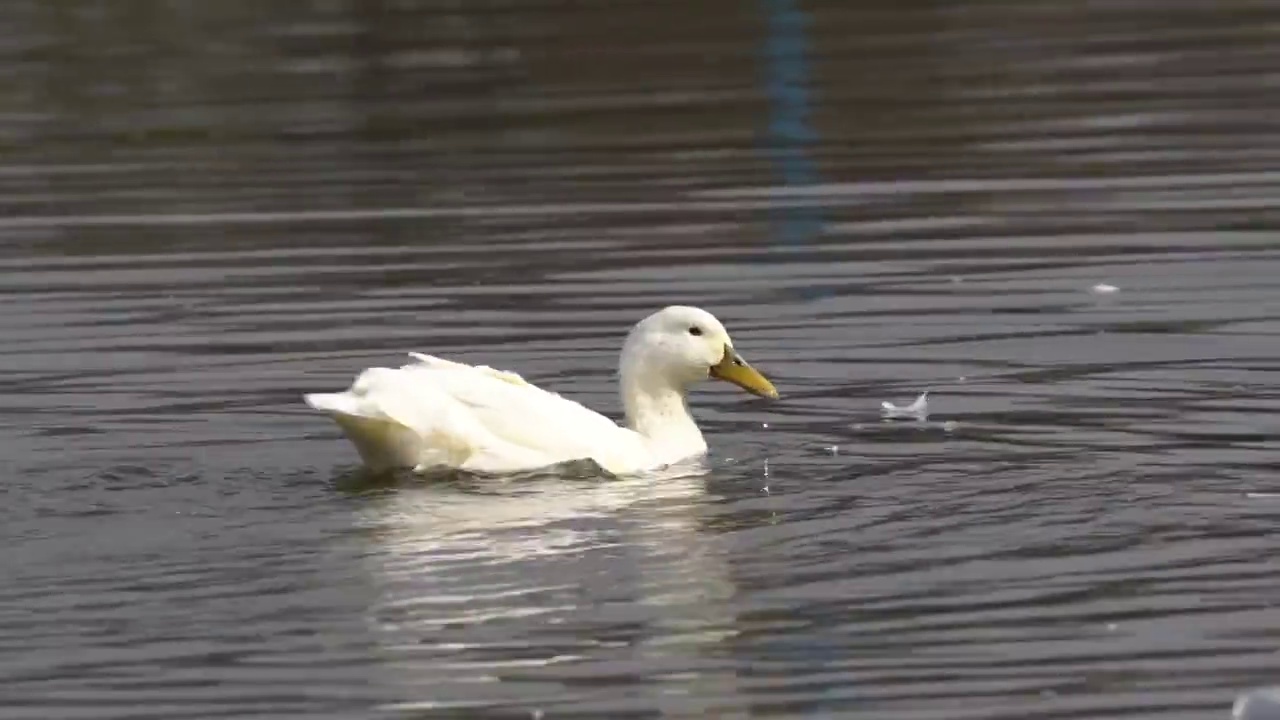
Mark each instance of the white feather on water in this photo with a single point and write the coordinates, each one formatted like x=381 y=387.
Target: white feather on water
x=918 y=409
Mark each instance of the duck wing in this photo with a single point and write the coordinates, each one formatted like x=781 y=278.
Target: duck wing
x=437 y=412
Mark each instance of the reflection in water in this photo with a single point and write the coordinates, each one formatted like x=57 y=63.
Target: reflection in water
x=788 y=84
x=500 y=596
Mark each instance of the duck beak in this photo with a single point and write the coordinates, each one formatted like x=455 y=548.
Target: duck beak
x=732 y=368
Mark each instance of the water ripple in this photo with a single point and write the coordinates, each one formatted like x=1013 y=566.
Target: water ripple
x=877 y=200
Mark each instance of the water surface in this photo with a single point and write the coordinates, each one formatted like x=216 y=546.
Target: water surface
x=208 y=210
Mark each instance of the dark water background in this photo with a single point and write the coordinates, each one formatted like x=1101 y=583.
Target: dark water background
x=207 y=209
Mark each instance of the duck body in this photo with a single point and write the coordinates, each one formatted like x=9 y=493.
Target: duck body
x=436 y=413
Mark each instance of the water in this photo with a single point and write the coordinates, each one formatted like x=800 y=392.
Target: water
x=209 y=209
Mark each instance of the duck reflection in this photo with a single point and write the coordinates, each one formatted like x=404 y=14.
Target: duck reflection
x=523 y=596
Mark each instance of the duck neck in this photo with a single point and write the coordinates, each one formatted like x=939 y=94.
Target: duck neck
x=660 y=413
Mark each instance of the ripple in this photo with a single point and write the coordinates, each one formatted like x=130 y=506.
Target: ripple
x=1072 y=534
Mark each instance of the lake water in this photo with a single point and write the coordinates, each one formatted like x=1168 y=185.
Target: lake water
x=209 y=209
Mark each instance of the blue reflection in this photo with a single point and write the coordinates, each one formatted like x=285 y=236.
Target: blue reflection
x=787 y=83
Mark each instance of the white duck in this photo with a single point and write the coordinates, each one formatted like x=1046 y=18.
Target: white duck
x=437 y=413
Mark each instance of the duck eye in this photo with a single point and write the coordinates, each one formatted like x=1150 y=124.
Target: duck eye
x=695 y=330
